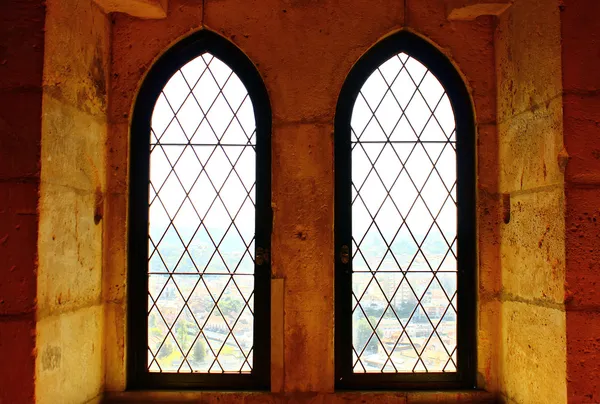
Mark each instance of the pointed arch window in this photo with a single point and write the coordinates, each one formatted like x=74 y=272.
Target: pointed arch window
x=199 y=221
x=405 y=221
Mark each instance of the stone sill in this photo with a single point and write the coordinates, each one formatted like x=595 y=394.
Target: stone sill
x=221 y=397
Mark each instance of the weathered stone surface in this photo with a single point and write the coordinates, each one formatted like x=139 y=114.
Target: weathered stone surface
x=487 y=157
x=300 y=89
x=72 y=150
x=22 y=48
x=115 y=351
x=533 y=246
x=76 y=62
x=533 y=356
x=470 y=9
x=20 y=129
x=302 y=398
x=530 y=144
x=302 y=165
x=69 y=365
x=21 y=66
x=17 y=347
x=137 y=43
x=18 y=247
x=138 y=8
x=581 y=45
x=582 y=248
x=582 y=131
x=70 y=250
x=583 y=353
x=528 y=45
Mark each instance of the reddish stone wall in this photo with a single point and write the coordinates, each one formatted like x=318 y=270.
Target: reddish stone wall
x=581 y=81
x=21 y=64
x=303 y=50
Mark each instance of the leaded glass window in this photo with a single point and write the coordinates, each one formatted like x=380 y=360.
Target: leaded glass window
x=397 y=222
x=206 y=210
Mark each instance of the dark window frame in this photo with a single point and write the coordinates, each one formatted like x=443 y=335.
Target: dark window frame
x=460 y=99
x=138 y=376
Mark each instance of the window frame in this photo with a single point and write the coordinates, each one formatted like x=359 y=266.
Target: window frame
x=138 y=376
x=448 y=76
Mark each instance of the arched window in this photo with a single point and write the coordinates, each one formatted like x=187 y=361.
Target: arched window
x=405 y=221
x=200 y=221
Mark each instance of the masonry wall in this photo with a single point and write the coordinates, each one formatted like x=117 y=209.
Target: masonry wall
x=581 y=83
x=303 y=50
x=21 y=65
x=70 y=315
x=531 y=185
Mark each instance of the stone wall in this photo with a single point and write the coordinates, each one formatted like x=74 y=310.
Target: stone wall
x=581 y=83
x=21 y=65
x=70 y=315
x=528 y=46
x=304 y=51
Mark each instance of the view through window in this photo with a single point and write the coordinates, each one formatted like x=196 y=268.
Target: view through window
x=202 y=222
x=404 y=222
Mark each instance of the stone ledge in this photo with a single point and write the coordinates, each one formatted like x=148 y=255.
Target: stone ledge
x=400 y=397
x=148 y=9
x=467 y=10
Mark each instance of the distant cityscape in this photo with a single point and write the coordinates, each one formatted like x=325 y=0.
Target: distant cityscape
x=388 y=303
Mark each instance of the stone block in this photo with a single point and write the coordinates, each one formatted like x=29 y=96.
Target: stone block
x=303 y=218
x=581 y=45
x=475 y=62
x=76 y=55
x=20 y=129
x=17 y=346
x=368 y=397
x=528 y=49
x=70 y=250
x=22 y=47
x=532 y=249
x=151 y=9
x=69 y=364
x=488 y=244
x=282 y=38
x=582 y=131
x=426 y=397
x=18 y=247
x=115 y=248
x=534 y=353
x=487 y=157
x=529 y=148
x=115 y=351
x=137 y=43
x=469 y=10
x=488 y=341
x=583 y=353
x=73 y=147
x=582 y=222
x=117 y=158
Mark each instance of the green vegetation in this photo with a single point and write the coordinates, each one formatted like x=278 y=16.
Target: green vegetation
x=363 y=333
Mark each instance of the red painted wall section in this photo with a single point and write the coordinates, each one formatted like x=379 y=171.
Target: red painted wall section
x=21 y=64
x=581 y=81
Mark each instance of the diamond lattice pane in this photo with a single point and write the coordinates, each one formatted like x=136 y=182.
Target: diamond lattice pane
x=202 y=215
x=403 y=222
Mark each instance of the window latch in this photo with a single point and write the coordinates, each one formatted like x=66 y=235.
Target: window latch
x=345 y=254
x=262 y=256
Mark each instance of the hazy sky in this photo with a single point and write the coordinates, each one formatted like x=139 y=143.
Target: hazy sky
x=387 y=87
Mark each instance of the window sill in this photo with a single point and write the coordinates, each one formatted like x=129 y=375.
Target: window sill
x=182 y=397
